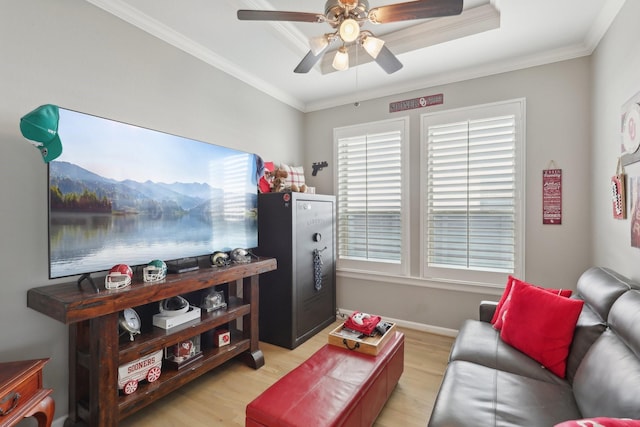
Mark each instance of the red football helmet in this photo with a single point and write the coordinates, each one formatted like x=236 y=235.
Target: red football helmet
x=118 y=277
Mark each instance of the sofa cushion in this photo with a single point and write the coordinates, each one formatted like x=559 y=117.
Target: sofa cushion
x=600 y=287
x=473 y=395
x=541 y=325
x=295 y=174
x=588 y=328
x=480 y=343
x=607 y=382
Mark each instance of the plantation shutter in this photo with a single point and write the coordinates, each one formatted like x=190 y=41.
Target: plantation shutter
x=369 y=192
x=471 y=195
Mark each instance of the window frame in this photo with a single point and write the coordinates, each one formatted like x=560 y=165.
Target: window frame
x=481 y=111
x=396 y=124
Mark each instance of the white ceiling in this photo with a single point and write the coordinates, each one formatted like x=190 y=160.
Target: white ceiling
x=490 y=36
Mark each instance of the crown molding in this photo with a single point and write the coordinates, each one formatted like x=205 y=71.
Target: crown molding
x=432 y=32
x=471 y=73
x=603 y=22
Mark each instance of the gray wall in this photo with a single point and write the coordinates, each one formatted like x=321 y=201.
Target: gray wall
x=616 y=77
x=70 y=53
x=557 y=128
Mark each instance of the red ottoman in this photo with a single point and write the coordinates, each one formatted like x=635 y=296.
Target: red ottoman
x=334 y=387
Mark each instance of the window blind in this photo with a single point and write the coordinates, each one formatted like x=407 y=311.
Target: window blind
x=369 y=184
x=471 y=195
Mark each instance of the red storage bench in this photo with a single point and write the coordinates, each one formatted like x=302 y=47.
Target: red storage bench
x=334 y=387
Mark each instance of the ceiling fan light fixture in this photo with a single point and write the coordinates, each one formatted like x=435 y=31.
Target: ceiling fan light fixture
x=349 y=30
x=318 y=44
x=341 y=60
x=372 y=45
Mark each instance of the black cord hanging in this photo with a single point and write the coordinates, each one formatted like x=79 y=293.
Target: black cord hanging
x=317 y=268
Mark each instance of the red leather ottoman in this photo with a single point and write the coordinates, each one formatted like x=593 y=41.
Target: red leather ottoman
x=334 y=387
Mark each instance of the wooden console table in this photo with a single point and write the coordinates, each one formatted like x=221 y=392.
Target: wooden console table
x=96 y=349
x=22 y=395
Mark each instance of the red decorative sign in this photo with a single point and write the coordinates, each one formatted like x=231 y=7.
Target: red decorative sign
x=410 y=104
x=552 y=196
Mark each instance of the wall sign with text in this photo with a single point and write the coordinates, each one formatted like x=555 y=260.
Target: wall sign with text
x=410 y=104
x=552 y=196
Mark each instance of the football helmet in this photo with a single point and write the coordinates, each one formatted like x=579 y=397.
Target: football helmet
x=240 y=256
x=174 y=306
x=155 y=271
x=220 y=259
x=118 y=277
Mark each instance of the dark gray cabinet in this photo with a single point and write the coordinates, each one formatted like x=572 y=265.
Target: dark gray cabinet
x=299 y=298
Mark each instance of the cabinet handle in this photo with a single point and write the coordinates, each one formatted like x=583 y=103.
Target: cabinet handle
x=15 y=396
x=346 y=344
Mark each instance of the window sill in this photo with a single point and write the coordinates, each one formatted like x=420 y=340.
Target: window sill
x=448 y=285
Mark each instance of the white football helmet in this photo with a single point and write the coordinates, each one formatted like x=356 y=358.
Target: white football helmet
x=118 y=277
x=155 y=271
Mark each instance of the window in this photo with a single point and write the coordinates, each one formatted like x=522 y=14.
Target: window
x=472 y=176
x=371 y=196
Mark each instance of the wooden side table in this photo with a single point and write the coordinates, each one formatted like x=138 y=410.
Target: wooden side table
x=22 y=395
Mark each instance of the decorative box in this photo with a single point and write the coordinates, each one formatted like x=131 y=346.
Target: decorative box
x=345 y=338
x=222 y=337
x=213 y=301
x=183 y=353
x=148 y=368
x=168 y=322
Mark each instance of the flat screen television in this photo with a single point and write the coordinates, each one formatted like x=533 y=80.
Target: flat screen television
x=122 y=194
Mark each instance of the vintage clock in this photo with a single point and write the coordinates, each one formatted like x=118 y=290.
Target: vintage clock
x=129 y=321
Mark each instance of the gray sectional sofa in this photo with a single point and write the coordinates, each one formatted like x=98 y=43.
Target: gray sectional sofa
x=489 y=383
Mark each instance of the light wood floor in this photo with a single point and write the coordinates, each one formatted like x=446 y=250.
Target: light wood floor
x=219 y=397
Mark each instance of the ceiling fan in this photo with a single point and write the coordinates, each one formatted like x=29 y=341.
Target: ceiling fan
x=346 y=17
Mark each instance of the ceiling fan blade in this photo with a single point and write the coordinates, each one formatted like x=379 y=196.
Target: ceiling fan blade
x=388 y=61
x=307 y=63
x=276 y=15
x=421 y=9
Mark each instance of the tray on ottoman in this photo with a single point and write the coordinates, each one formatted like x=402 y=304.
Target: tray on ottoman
x=367 y=345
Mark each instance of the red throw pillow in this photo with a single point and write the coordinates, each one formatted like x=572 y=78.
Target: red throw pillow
x=541 y=324
x=601 y=422
x=498 y=313
x=498 y=318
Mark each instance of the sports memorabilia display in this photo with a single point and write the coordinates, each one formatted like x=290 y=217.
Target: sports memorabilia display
x=148 y=368
x=173 y=306
x=364 y=323
x=155 y=271
x=219 y=259
x=183 y=353
x=240 y=256
x=118 y=277
x=175 y=311
x=213 y=301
